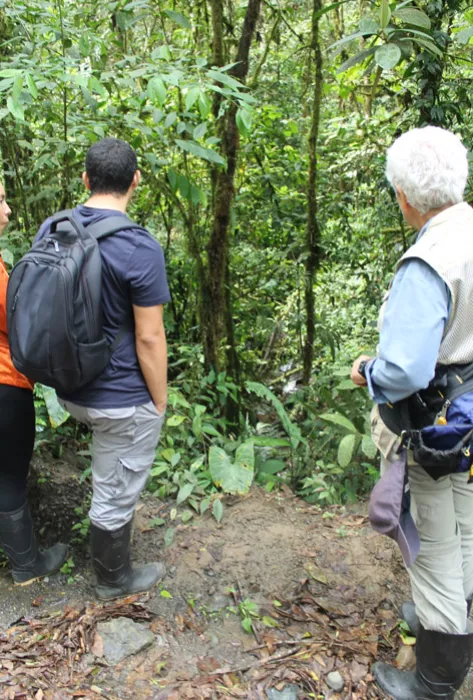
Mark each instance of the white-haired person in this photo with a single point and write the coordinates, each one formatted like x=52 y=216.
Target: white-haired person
x=426 y=327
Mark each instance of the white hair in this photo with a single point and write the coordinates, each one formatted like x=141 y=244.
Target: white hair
x=430 y=166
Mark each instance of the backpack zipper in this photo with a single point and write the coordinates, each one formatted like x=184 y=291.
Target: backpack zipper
x=54 y=242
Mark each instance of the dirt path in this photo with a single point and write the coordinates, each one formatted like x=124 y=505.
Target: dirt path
x=320 y=589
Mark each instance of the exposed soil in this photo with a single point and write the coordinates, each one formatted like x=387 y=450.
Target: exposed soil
x=326 y=587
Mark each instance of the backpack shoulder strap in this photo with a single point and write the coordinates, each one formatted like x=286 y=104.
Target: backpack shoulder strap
x=110 y=225
x=66 y=216
x=102 y=229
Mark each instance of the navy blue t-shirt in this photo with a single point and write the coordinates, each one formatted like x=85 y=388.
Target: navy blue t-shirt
x=133 y=272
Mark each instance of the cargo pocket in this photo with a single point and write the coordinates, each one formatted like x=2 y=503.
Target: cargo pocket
x=385 y=440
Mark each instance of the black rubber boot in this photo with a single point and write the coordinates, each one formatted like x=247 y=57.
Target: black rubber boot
x=111 y=561
x=409 y=615
x=28 y=562
x=443 y=661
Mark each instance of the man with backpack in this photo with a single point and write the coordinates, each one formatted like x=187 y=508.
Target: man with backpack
x=422 y=383
x=124 y=406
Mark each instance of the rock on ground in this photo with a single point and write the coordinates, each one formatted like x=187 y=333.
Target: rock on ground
x=122 y=637
x=289 y=692
x=335 y=681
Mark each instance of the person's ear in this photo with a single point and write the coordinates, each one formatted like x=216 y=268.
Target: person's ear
x=85 y=180
x=136 y=180
x=402 y=200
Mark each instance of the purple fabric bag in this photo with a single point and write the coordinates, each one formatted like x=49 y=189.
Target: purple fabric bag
x=389 y=509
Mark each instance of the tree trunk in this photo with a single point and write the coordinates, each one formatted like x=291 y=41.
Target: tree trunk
x=313 y=249
x=214 y=306
x=431 y=70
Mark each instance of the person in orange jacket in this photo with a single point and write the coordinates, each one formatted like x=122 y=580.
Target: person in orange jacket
x=17 y=431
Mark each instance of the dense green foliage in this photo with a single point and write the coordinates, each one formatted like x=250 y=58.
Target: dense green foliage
x=173 y=80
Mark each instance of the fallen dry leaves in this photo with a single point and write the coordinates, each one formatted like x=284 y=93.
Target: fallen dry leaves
x=315 y=634
x=40 y=659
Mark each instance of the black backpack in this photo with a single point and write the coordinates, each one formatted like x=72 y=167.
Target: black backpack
x=54 y=305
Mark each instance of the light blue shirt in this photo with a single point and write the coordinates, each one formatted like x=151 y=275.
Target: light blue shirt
x=414 y=322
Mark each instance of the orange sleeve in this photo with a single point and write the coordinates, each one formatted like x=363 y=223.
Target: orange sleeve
x=8 y=374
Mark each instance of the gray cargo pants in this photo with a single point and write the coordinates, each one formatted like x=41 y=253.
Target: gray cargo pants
x=124 y=442
x=442 y=575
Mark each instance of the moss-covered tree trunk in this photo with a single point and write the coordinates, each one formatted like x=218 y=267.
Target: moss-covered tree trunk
x=313 y=249
x=214 y=316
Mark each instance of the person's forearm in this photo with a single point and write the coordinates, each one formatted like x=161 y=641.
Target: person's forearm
x=152 y=356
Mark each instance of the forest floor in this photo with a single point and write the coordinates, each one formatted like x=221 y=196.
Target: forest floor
x=321 y=588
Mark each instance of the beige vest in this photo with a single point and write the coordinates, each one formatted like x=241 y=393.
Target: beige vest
x=447 y=246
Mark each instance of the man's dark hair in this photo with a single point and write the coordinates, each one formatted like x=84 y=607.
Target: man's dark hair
x=110 y=165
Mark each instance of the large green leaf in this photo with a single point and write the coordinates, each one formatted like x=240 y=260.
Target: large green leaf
x=245 y=455
x=347 y=39
x=201 y=151
x=387 y=56
x=15 y=108
x=263 y=441
x=237 y=477
x=217 y=510
x=464 y=36
x=346 y=449
x=57 y=415
x=292 y=429
x=156 y=90
x=225 y=79
x=429 y=45
x=412 y=15
x=338 y=419
x=368 y=25
x=272 y=466
x=7 y=256
x=179 y=19
x=184 y=493
x=192 y=96
x=368 y=447
x=352 y=61
x=384 y=14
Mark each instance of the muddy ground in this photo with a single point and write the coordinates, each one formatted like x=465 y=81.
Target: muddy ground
x=322 y=589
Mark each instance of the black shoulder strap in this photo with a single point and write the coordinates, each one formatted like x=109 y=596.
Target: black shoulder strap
x=110 y=225
x=65 y=221
x=102 y=229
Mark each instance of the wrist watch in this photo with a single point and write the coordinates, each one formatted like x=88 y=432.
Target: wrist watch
x=362 y=368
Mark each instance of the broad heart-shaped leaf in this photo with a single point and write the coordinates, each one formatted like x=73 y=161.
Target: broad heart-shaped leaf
x=346 y=449
x=412 y=15
x=387 y=56
x=245 y=455
x=338 y=419
x=231 y=478
x=368 y=447
x=200 y=151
